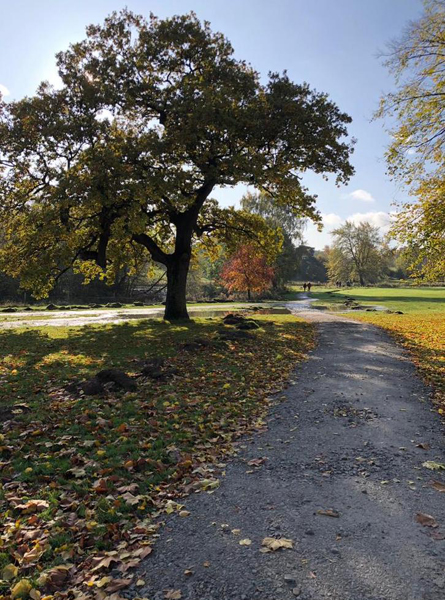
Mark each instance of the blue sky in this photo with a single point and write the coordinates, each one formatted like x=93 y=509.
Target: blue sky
x=331 y=44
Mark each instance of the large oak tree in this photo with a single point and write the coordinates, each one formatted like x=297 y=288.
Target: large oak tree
x=152 y=116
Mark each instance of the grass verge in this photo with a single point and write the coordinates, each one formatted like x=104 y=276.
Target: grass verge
x=85 y=479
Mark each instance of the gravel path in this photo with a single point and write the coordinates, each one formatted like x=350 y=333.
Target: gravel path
x=345 y=439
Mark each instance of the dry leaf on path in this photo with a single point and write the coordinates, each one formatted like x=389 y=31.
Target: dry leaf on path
x=273 y=544
x=245 y=542
x=257 y=462
x=423 y=445
x=172 y=594
x=438 y=485
x=329 y=513
x=426 y=520
x=433 y=466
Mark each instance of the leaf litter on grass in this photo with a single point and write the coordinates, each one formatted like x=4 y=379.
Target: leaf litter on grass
x=87 y=480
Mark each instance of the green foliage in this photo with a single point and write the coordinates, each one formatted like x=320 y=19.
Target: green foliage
x=312 y=264
x=151 y=117
x=288 y=220
x=357 y=253
x=420 y=227
x=416 y=154
x=285 y=216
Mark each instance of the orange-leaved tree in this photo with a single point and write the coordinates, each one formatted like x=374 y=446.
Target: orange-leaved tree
x=247 y=271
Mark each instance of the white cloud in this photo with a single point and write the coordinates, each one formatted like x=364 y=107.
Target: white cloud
x=361 y=195
x=319 y=239
x=379 y=219
x=331 y=221
x=4 y=90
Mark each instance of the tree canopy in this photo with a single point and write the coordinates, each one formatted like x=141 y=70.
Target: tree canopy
x=247 y=271
x=357 y=253
x=152 y=116
x=416 y=154
x=284 y=218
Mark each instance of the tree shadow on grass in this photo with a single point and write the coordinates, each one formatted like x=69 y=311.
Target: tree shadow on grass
x=37 y=358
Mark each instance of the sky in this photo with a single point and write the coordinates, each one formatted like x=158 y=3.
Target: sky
x=334 y=45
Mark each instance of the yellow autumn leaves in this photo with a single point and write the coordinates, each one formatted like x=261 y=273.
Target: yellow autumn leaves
x=270 y=544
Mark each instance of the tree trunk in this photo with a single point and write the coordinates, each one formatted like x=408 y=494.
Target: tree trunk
x=176 y=304
x=248 y=294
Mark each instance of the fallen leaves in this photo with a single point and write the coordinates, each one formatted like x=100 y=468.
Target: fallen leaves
x=273 y=544
x=257 y=462
x=172 y=594
x=85 y=478
x=55 y=578
x=21 y=589
x=32 y=506
x=426 y=520
x=438 y=485
x=433 y=466
x=10 y=572
x=209 y=485
x=245 y=542
x=329 y=513
x=423 y=445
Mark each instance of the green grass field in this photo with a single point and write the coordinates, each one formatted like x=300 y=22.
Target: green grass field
x=408 y=300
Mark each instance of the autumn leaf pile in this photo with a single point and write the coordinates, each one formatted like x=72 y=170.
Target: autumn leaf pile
x=423 y=336
x=87 y=480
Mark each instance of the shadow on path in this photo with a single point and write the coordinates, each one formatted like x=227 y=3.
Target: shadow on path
x=346 y=439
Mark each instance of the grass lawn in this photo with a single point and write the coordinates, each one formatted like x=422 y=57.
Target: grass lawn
x=84 y=478
x=421 y=328
x=408 y=300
